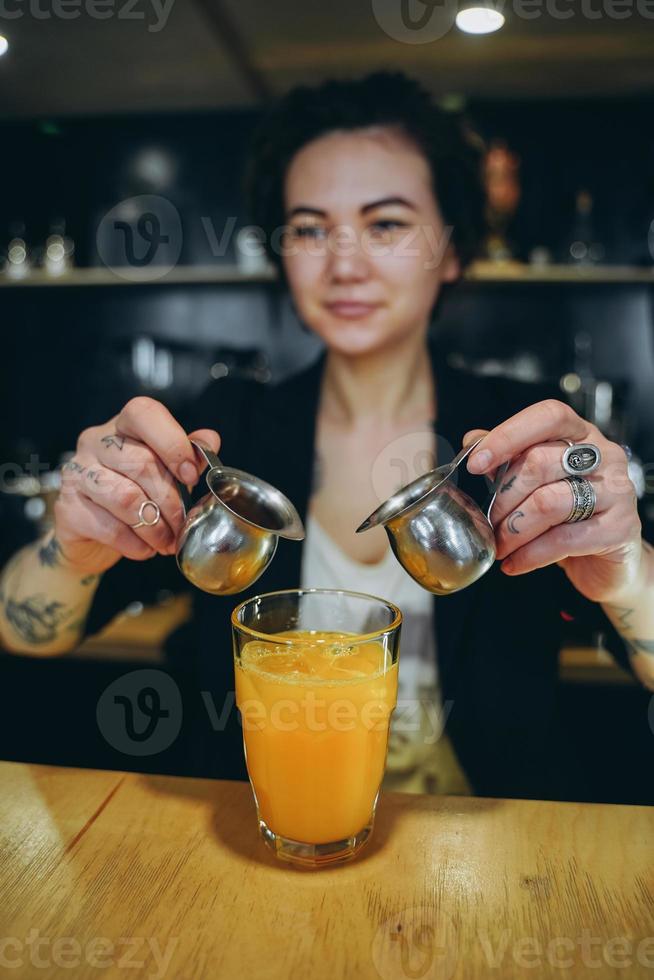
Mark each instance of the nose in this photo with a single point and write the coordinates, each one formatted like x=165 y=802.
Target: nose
x=346 y=259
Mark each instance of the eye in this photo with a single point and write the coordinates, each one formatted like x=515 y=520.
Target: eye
x=389 y=224
x=308 y=231
x=386 y=228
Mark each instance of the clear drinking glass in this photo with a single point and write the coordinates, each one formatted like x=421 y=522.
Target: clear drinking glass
x=316 y=685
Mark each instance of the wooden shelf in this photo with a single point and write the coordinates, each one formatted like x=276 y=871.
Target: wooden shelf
x=180 y=275
x=491 y=272
x=518 y=272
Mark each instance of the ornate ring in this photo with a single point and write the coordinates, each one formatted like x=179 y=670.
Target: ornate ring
x=143 y=521
x=584 y=499
x=581 y=458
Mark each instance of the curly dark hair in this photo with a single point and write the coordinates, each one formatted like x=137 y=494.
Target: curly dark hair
x=380 y=99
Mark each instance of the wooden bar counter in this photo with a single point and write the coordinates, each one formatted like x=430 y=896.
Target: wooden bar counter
x=107 y=874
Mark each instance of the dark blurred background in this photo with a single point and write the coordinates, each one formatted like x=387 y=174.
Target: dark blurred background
x=142 y=120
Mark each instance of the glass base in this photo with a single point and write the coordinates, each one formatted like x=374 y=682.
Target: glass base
x=315 y=855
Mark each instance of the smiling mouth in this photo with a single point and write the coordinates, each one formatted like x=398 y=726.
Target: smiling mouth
x=351 y=310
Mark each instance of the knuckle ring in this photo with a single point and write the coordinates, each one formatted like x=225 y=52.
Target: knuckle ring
x=581 y=458
x=584 y=499
x=143 y=521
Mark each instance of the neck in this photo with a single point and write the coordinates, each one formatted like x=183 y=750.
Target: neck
x=388 y=386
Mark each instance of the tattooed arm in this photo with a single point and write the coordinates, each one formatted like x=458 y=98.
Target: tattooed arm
x=633 y=617
x=47 y=589
x=43 y=602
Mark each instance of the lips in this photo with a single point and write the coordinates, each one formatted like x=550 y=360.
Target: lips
x=351 y=309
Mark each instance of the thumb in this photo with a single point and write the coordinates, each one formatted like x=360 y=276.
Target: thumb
x=473 y=435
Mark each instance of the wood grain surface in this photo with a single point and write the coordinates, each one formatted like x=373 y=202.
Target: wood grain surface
x=106 y=874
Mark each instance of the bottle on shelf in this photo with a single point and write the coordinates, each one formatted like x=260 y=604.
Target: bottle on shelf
x=59 y=250
x=17 y=262
x=584 y=247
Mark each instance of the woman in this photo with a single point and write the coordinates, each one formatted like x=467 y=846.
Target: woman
x=377 y=195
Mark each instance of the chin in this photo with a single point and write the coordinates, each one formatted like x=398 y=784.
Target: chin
x=355 y=338
x=353 y=342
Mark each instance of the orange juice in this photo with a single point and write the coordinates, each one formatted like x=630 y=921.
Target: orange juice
x=315 y=725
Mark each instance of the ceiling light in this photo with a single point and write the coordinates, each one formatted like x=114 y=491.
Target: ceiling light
x=479 y=18
x=4 y=45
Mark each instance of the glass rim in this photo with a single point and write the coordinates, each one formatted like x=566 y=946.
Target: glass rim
x=357 y=638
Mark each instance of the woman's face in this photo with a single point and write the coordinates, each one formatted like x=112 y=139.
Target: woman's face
x=367 y=250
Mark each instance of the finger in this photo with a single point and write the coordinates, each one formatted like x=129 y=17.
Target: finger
x=547 y=507
x=119 y=496
x=137 y=462
x=543 y=464
x=97 y=524
x=148 y=421
x=543 y=422
x=208 y=436
x=603 y=532
x=472 y=436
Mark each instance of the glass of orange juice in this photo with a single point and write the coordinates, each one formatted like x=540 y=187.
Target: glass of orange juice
x=316 y=685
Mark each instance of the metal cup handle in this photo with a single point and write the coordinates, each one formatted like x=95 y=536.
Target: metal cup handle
x=212 y=460
x=501 y=473
x=209 y=454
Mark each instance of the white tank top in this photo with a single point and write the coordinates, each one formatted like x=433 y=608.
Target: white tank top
x=417 y=723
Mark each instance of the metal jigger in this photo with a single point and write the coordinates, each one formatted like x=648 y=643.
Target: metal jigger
x=437 y=532
x=230 y=536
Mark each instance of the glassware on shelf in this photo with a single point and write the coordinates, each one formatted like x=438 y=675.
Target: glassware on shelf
x=584 y=248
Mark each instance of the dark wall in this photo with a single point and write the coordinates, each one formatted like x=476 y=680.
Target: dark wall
x=77 y=169
x=605 y=147
x=68 y=354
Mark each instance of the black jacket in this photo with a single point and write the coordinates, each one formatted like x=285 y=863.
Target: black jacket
x=497 y=641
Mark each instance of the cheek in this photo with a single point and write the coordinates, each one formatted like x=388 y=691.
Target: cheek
x=413 y=285
x=304 y=275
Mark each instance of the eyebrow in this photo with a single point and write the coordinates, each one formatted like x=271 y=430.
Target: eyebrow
x=382 y=202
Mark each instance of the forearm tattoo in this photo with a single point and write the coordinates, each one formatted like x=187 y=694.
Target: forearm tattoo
x=642 y=646
x=35 y=619
x=50 y=553
x=635 y=644
x=623 y=615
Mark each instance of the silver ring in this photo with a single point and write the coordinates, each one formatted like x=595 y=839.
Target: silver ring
x=142 y=521
x=581 y=458
x=584 y=499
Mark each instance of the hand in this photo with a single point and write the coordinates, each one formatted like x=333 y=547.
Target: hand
x=117 y=466
x=601 y=556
